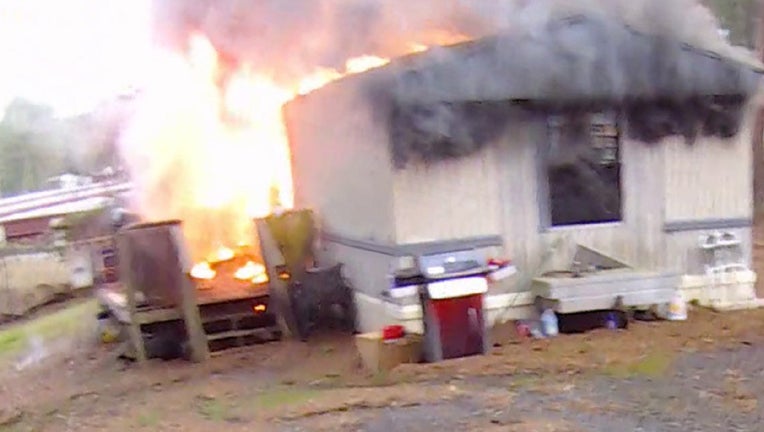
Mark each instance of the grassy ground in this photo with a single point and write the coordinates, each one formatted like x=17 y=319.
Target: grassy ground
x=62 y=324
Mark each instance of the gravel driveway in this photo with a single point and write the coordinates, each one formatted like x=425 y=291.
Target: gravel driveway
x=704 y=392
x=701 y=392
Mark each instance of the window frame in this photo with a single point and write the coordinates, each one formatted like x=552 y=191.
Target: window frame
x=552 y=125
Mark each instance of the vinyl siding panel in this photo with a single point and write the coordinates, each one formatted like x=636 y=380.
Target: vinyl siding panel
x=709 y=179
x=684 y=255
x=340 y=163
x=448 y=200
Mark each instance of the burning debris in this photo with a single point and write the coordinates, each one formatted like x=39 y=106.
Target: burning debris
x=249 y=271
x=230 y=266
x=222 y=254
x=203 y=271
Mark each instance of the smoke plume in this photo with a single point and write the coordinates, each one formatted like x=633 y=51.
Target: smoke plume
x=293 y=38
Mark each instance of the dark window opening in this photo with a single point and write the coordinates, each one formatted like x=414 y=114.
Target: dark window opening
x=583 y=169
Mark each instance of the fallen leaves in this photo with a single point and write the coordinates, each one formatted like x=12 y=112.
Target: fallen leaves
x=10 y=417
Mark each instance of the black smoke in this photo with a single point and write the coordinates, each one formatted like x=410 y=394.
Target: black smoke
x=444 y=130
x=661 y=86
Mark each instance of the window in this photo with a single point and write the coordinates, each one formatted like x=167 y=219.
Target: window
x=581 y=163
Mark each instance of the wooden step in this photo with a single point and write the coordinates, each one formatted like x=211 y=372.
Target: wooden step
x=265 y=332
x=234 y=317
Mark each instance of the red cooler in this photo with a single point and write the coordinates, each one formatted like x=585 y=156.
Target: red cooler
x=454 y=323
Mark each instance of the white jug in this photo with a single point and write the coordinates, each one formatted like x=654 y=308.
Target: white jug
x=677 y=309
x=549 y=324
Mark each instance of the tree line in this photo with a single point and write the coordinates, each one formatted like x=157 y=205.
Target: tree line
x=36 y=145
x=739 y=17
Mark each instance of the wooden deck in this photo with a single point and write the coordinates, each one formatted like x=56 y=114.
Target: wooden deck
x=228 y=291
x=113 y=297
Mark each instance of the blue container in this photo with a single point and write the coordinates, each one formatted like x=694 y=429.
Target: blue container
x=611 y=321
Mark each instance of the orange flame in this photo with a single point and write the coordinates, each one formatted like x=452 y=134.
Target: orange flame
x=364 y=63
x=249 y=271
x=260 y=279
x=203 y=271
x=210 y=144
x=221 y=254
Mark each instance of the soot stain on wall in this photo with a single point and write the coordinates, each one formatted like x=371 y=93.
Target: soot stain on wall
x=452 y=102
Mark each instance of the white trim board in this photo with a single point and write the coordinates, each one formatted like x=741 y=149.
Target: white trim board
x=491 y=302
x=728 y=291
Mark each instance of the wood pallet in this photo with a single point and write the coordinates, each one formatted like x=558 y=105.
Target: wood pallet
x=224 y=306
x=226 y=323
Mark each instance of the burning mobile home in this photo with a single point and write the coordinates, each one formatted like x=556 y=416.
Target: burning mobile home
x=580 y=131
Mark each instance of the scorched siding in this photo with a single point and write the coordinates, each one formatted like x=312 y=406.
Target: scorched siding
x=554 y=247
x=637 y=239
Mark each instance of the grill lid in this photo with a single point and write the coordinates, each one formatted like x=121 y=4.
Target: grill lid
x=451 y=264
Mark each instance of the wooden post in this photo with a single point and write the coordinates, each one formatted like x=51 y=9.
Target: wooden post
x=124 y=254
x=758 y=135
x=278 y=288
x=758 y=127
x=197 y=339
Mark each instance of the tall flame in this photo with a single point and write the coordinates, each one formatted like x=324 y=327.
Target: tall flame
x=208 y=145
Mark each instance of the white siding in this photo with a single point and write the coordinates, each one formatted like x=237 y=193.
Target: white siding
x=684 y=255
x=448 y=200
x=341 y=164
x=710 y=179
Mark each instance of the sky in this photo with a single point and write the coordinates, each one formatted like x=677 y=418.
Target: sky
x=71 y=54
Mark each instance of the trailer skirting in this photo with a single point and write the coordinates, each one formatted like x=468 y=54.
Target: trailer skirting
x=375 y=313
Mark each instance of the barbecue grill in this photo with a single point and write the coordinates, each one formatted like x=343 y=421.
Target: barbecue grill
x=451 y=287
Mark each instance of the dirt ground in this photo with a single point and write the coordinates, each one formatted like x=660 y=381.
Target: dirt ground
x=704 y=374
